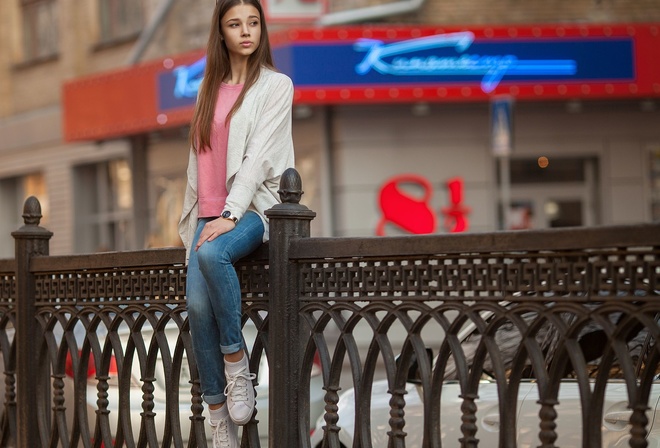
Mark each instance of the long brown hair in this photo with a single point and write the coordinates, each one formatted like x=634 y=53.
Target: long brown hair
x=218 y=68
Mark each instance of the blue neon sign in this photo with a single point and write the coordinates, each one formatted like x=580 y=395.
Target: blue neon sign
x=458 y=59
x=453 y=58
x=492 y=67
x=178 y=87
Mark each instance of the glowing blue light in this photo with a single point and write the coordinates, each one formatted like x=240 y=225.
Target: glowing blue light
x=188 y=79
x=492 y=67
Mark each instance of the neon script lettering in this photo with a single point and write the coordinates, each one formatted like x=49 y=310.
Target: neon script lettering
x=188 y=79
x=414 y=214
x=492 y=67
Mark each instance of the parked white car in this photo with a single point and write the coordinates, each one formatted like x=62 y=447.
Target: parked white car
x=615 y=427
x=184 y=400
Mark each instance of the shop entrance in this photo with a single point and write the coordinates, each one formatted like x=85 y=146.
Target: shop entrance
x=554 y=192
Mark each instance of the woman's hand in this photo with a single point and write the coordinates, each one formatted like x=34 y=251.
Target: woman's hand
x=214 y=229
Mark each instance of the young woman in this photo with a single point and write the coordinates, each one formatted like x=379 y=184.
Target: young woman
x=241 y=144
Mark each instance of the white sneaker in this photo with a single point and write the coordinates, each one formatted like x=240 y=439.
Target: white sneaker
x=225 y=433
x=240 y=391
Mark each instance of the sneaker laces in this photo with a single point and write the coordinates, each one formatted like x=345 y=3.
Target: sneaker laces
x=221 y=433
x=237 y=385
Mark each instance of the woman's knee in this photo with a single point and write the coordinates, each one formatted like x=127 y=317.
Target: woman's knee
x=211 y=255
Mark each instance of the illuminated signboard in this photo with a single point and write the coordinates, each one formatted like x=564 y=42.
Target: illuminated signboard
x=442 y=59
x=458 y=58
x=444 y=64
x=367 y=64
x=422 y=57
x=178 y=88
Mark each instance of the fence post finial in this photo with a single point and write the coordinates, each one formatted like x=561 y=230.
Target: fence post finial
x=32 y=211
x=290 y=187
x=30 y=240
x=288 y=220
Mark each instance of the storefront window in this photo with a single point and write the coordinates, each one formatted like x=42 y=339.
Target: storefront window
x=550 y=191
x=120 y=18
x=40 y=28
x=13 y=193
x=104 y=207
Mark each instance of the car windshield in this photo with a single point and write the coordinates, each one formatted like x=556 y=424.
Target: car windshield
x=592 y=340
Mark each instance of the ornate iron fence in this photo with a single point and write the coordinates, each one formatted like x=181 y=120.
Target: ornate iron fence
x=571 y=309
x=439 y=340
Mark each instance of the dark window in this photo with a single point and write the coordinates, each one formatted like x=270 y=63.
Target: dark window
x=531 y=171
x=104 y=204
x=567 y=213
x=40 y=30
x=120 y=18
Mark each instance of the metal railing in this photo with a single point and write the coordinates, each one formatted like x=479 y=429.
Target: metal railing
x=96 y=349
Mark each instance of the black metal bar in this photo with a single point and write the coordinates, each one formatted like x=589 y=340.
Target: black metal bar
x=567 y=238
x=31 y=240
x=124 y=259
x=289 y=220
x=7 y=347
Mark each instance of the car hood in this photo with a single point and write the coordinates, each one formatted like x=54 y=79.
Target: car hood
x=414 y=413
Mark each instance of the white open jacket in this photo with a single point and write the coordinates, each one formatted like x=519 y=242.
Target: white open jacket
x=259 y=149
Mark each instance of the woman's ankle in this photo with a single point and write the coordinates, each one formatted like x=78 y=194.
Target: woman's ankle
x=235 y=357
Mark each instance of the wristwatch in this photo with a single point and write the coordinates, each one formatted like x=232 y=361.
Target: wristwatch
x=228 y=215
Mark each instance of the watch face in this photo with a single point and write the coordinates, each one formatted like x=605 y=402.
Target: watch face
x=226 y=214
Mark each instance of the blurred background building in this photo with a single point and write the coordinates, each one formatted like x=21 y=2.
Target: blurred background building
x=411 y=116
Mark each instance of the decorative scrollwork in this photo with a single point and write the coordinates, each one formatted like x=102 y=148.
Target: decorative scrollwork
x=488 y=320
x=542 y=315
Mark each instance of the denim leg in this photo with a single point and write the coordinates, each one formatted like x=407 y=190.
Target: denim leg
x=214 y=300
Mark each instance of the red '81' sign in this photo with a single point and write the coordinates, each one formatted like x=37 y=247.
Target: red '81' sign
x=413 y=213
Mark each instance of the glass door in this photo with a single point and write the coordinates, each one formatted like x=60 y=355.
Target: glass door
x=553 y=192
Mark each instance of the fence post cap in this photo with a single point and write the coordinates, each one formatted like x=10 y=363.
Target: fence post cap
x=290 y=193
x=31 y=219
x=290 y=187
x=32 y=211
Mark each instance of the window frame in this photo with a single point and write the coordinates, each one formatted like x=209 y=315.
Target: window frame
x=104 y=221
x=113 y=26
x=40 y=42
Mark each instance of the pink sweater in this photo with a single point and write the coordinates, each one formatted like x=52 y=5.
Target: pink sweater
x=259 y=149
x=212 y=165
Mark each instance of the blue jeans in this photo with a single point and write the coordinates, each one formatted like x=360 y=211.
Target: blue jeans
x=214 y=300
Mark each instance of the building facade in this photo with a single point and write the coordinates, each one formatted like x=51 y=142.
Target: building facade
x=378 y=157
